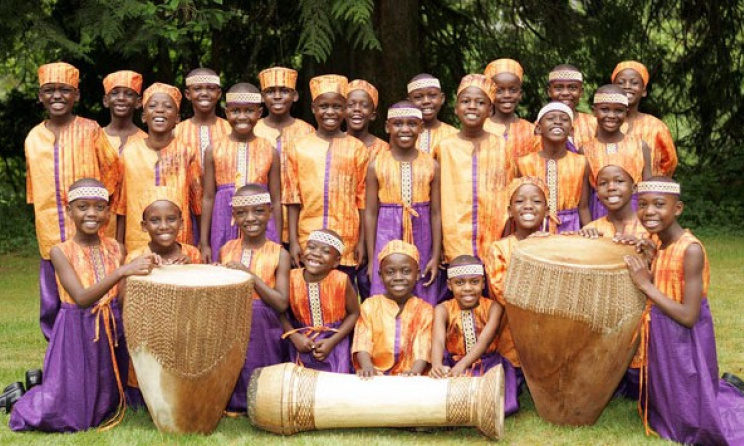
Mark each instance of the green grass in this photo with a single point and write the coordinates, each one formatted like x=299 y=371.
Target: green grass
x=22 y=347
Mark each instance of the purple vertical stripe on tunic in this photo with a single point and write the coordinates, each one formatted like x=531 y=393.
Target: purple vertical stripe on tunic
x=58 y=193
x=474 y=240
x=396 y=347
x=157 y=173
x=326 y=186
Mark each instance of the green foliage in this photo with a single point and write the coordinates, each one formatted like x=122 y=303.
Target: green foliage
x=323 y=20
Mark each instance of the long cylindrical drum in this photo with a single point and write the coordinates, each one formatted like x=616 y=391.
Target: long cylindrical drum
x=187 y=330
x=286 y=399
x=574 y=314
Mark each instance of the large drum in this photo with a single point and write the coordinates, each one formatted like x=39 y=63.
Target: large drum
x=187 y=330
x=574 y=314
x=286 y=399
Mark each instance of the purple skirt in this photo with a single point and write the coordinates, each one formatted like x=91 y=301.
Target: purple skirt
x=79 y=389
x=599 y=210
x=339 y=361
x=390 y=227
x=687 y=401
x=265 y=348
x=49 y=304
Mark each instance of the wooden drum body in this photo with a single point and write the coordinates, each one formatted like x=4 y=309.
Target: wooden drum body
x=187 y=330
x=286 y=399
x=574 y=314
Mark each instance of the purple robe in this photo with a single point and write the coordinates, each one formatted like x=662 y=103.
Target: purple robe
x=49 y=304
x=338 y=361
x=570 y=220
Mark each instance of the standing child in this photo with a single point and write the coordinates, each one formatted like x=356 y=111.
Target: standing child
x=633 y=77
x=269 y=264
x=239 y=159
x=393 y=333
x=323 y=307
x=475 y=171
x=361 y=110
x=566 y=173
x=403 y=200
x=566 y=85
x=425 y=92
x=682 y=398
x=122 y=90
x=86 y=360
x=159 y=166
x=611 y=146
x=516 y=133
x=59 y=151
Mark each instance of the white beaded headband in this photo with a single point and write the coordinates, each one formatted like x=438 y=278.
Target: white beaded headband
x=404 y=112
x=565 y=75
x=424 y=83
x=659 y=187
x=89 y=192
x=251 y=200
x=203 y=79
x=243 y=98
x=610 y=98
x=555 y=106
x=465 y=270
x=328 y=239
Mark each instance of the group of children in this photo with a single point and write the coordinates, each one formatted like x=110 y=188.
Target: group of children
x=419 y=229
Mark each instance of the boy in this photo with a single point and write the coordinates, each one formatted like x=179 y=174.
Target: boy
x=122 y=90
x=566 y=85
x=425 y=92
x=361 y=110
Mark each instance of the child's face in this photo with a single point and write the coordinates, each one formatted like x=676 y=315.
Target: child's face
x=319 y=258
x=467 y=290
x=610 y=116
x=555 y=126
x=508 y=92
x=473 y=107
x=527 y=207
x=160 y=113
x=88 y=215
x=329 y=110
x=360 y=111
x=632 y=83
x=614 y=187
x=122 y=102
x=279 y=100
x=403 y=131
x=58 y=99
x=243 y=118
x=399 y=274
x=162 y=221
x=658 y=212
x=567 y=92
x=203 y=97
x=252 y=220
x=429 y=100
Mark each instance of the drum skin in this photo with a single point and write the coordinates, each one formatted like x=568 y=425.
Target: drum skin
x=187 y=329
x=574 y=314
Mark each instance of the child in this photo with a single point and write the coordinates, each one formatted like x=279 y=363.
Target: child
x=325 y=177
x=566 y=173
x=239 y=159
x=122 y=90
x=682 y=397
x=475 y=172
x=279 y=127
x=323 y=307
x=528 y=198
x=425 y=92
x=403 y=200
x=566 y=85
x=60 y=151
x=393 y=333
x=86 y=360
x=611 y=146
x=361 y=110
x=633 y=77
x=269 y=264
x=159 y=165
x=517 y=133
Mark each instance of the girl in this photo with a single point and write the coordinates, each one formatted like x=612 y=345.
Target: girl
x=86 y=362
x=403 y=200
x=361 y=110
x=425 y=92
x=324 y=307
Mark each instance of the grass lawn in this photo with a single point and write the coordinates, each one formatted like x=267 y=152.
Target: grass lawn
x=22 y=347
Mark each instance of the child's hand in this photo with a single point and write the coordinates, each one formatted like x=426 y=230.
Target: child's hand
x=590 y=233
x=432 y=268
x=359 y=252
x=409 y=373
x=639 y=272
x=366 y=372
x=302 y=343
x=140 y=266
x=295 y=252
x=439 y=371
x=237 y=265
x=457 y=370
x=370 y=271
x=322 y=349
x=206 y=253
x=540 y=234
x=181 y=259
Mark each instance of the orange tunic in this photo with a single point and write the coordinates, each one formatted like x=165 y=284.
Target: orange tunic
x=627 y=154
x=429 y=139
x=497 y=264
x=242 y=163
x=116 y=141
x=564 y=177
x=607 y=228
x=202 y=136
x=191 y=251
x=464 y=327
x=669 y=268
x=148 y=175
x=318 y=304
x=91 y=264
x=519 y=139
x=584 y=129
x=474 y=181
x=327 y=181
x=659 y=139
x=262 y=262
x=395 y=339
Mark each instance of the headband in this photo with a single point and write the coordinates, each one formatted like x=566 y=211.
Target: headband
x=329 y=83
x=633 y=65
x=499 y=66
x=610 y=98
x=328 y=239
x=203 y=79
x=59 y=73
x=398 y=247
x=555 y=106
x=516 y=183
x=658 y=187
x=251 y=200
x=478 y=81
x=158 y=87
x=360 y=84
x=243 y=98
x=565 y=75
x=404 y=112
x=278 y=77
x=88 y=192
x=473 y=269
x=124 y=78
x=424 y=83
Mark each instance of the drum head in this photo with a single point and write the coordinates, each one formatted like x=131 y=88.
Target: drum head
x=195 y=275
x=576 y=251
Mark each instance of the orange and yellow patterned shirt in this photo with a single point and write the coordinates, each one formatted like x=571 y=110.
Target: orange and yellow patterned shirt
x=627 y=154
x=116 y=141
x=242 y=163
x=377 y=146
x=428 y=139
x=464 y=327
x=584 y=129
x=318 y=304
x=202 y=136
x=669 y=268
x=262 y=262
x=519 y=139
x=91 y=264
x=659 y=139
x=564 y=177
x=607 y=228
x=497 y=264
x=189 y=250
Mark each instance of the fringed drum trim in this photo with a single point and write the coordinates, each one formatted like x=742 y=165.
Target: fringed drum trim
x=459 y=401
